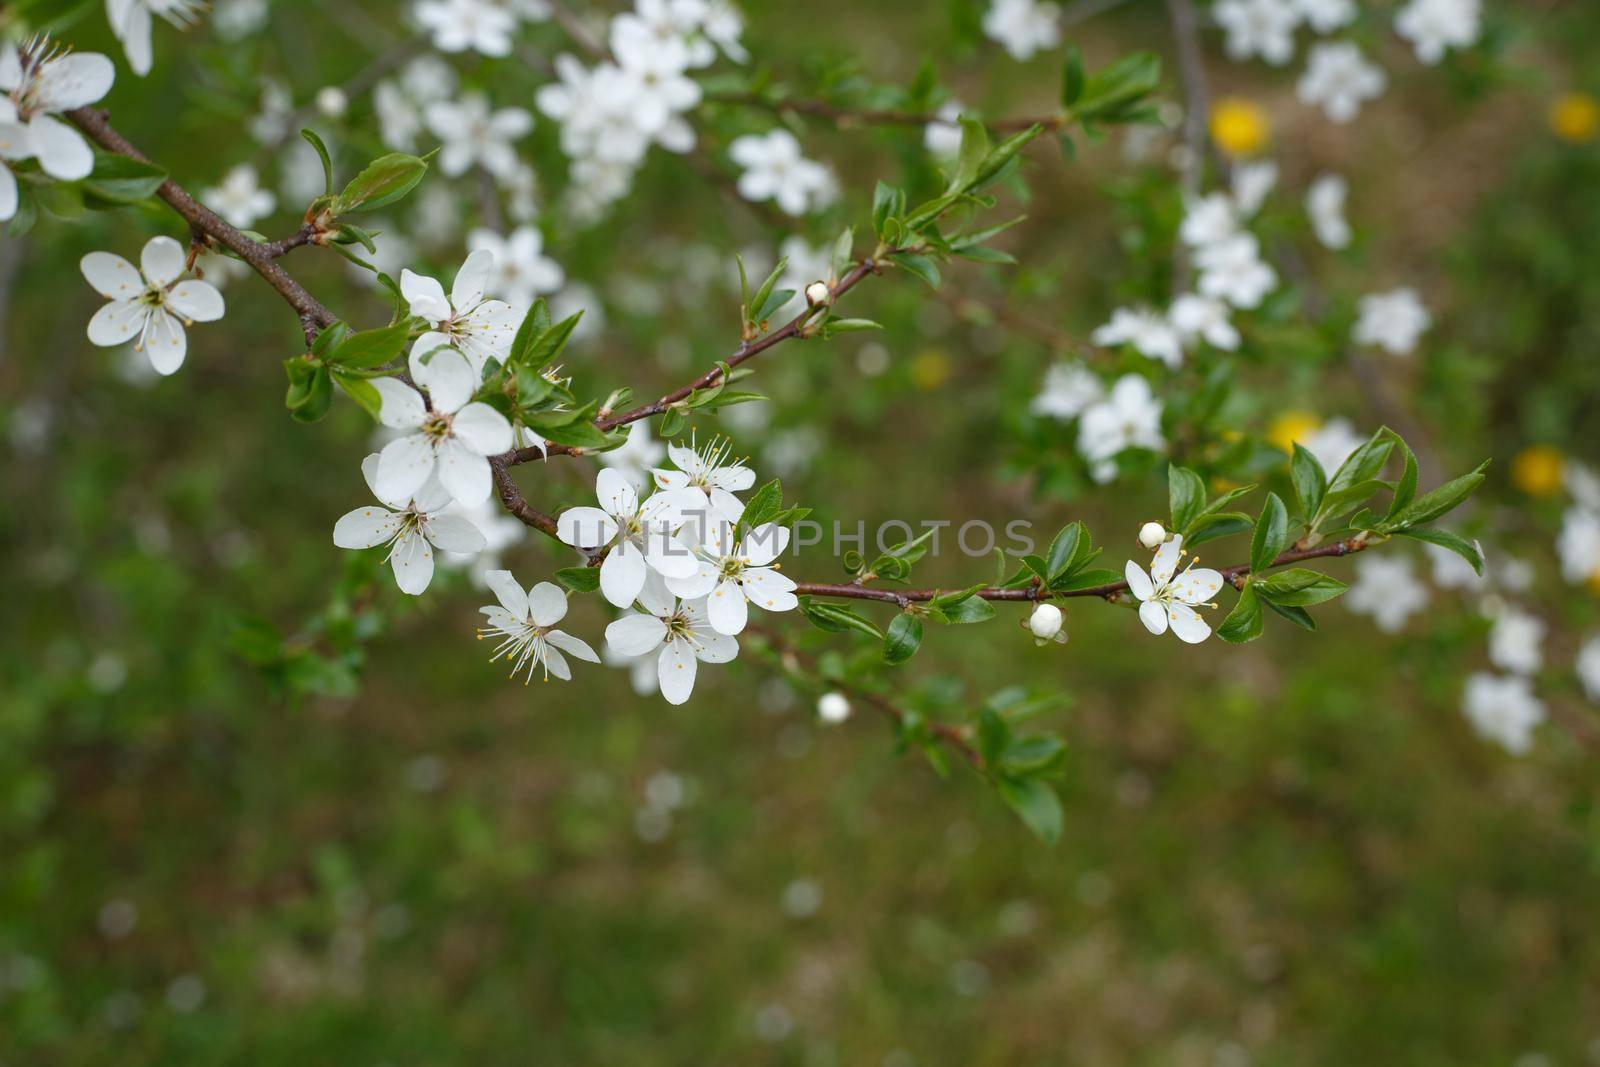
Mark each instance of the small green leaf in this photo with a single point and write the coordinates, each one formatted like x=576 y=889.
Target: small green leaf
x=970 y=609
x=1297 y=587
x=362 y=391
x=837 y=619
x=1467 y=550
x=1186 y=496
x=903 y=639
x=1272 y=534
x=1438 y=502
x=1310 y=481
x=920 y=265
x=1072 y=76
x=579 y=579
x=314 y=141
x=371 y=348
x=1062 y=550
x=119 y=179
x=1244 y=621
x=1035 y=803
x=383 y=181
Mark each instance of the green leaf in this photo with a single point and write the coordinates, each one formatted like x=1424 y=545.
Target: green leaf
x=1364 y=464
x=837 y=619
x=759 y=300
x=920 y=265
x=1186 y=496
x=1297 y=587
x=1213 y=527
x=1467 y=550
x=969 y=609
x=1297 y=615
x=579 y=579
x=1072 y=77
x=315 y=398
x=371 y=348
x=1272 y=534
x=887 y=203
x=1035 y=803
x=1405 y=490
x=1310 y=481
x=1244 y=621
x=775 y=301
x=903 y=639
x=383 y=181
x=1432 y=505
x=1062 y=551
x=314 y=141
x=1090 y=579
x=672 y=422
x=762 y=506
x=119 y=179
x=362 y=391
x=974 y=151
x=547 y=345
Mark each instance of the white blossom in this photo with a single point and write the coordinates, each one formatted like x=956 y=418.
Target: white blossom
x=637 y=539
x=1047 y=623
x=1515 y=641
x=1252 y=183
x=149 y=304
x=472 y=134
x=131 y=24
x=1259 y=27
x=240 y=198
x=1387 y=589
x=833 y=708
x=1152 y=534
x=1068 y=389
x=1195 y=316
x=942 y=139
x=1023 y=27
x=39 y=83
x=681 y=630
x=1435 y=26
x=1209 y=220
x=1325 y=16
x=1147 y=331
x=1588 y=667
x=1233 y=270
x=524 y=625
x=1503 y=709
x=1339 y=79
x=731 y=575
x=1332 y=443
x=705 y=482
x=412 y=527
x=1129 y=417
x=1168 y=597
x=1578 y=545
x=1392 y=321
x=460 y=25
x=521 y=269
x=481 y=329
x=451 y=434
x=1325 y=206
x=774 y=169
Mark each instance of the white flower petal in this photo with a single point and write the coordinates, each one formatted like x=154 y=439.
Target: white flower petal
x=425 y=295
x=449 y=380
x=161 y=261
x=547 y=604
x=116 y=323
x=464 y=473
x=509 y=592
x=403 y=466
x=400 y=407
x=622 y=574
x=634 y=635
x=1166 y=561
x=675 y=671
x=76 y=79
x=455 y=533
x=770 y=590
x=1138 y=582
x=61 y=150
x=765 y=543
x=726 y=608
x=412 y=561
x=1197 y=585
x=698 y=584
x=554 y=662
x=616 y=494
x=471 y=280
x=1187 y=624
x=1154 y=617
x=715 y=647
x=655 y=598
x=585 y=527
x=112 y=276
x=196 y=300
x=572 y=646
x=165 y=342
x=365 y=527
x=482 y=429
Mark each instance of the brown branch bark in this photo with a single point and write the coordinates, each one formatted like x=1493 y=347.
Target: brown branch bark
x=261 y=258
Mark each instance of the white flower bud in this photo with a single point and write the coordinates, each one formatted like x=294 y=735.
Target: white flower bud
x=1151 y=534
x=1045 y=622
x=833 y=707
x=817 y=293
x=331 y=101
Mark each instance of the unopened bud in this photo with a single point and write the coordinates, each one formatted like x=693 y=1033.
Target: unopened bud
x=1151 y=534
x=1045 y=622
x=331 y=101
x=833 y=707
x=817 y=293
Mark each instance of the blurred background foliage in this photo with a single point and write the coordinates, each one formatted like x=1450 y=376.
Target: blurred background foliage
x=258 y=807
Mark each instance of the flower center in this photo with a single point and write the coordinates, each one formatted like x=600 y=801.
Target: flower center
x=522 y=644
x=436 y=427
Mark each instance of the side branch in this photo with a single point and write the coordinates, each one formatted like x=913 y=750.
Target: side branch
x=261 y=258
x=845 y=117
x=1232 y=575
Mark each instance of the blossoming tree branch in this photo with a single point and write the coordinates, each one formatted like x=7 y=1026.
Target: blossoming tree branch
x=686 y=542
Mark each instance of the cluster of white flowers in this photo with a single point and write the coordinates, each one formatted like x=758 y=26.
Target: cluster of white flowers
x=775 y=169
x=239 y=198
x=482 y=26
x=1023 y=27
x=38 y=84
x=611 y=114
x=1578 y=544
x=1110 y=421
x=1393 y=321
x=1387 y=589
x=400 y=103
